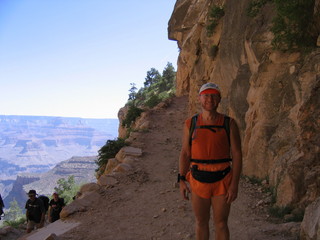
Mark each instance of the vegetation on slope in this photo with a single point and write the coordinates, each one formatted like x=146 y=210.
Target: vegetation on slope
x=157 y=88
x=294 y=26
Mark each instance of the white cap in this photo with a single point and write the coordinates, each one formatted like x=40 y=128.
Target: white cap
x=209 y=86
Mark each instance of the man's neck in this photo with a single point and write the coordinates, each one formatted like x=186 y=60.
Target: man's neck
x=210 y=115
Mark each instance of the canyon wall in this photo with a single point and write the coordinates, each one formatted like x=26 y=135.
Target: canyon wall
x=274 y=96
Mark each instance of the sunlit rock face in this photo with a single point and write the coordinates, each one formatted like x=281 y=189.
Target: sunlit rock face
x=273 y=96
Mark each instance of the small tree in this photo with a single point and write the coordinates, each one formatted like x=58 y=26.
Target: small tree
x=152 y=77
x=67 y=189
x=169 y=77
x=14 y=216
x=133 y=93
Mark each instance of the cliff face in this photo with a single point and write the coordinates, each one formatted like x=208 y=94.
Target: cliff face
x=274 y=96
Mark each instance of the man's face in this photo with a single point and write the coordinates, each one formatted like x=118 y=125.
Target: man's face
x=209 y=101
x=32 y=197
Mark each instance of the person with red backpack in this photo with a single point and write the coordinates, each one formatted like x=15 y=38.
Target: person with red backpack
x=210 y=164
x=56 y=204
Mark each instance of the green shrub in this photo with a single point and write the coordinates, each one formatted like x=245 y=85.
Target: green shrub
x=292 y=25
x=153 y=101
x=215 y=14
x=15 y=223
x=280 y=212
x=14 y=216
x=67 y=189
x=286 y=213
x=109 y=150
x=255 y=7
x=132 y=114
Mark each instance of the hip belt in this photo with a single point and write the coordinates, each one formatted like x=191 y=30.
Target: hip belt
x=211 y=161
x=207 y=176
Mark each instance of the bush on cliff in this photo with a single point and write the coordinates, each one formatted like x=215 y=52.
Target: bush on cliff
x=109 y=150
x=132 y=114
x=161 y=85
x=157 y=88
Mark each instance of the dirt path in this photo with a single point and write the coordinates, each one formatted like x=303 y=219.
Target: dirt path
x=147 y=205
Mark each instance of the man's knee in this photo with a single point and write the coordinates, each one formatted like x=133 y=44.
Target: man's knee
x=221 y=225
x=202 y=221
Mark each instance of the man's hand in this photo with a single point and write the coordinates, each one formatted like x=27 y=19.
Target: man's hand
x=184 y=190
x=41 y=224
x=232 y=194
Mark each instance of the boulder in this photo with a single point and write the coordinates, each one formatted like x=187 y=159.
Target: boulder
x=81 y=204
x=122 y=131
x=128 y=151
x=112 y=163
x=89 y=187
x=106 y=180
x=122 y=167
x=52 y=236
x=142 y=123
x=5 y=230
x=130 y=160
x=310 y=226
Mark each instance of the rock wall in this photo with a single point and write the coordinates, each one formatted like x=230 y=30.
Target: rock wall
x=274 y=96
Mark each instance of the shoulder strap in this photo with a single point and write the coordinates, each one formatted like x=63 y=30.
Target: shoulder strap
x=192 y=127
x=226 y=124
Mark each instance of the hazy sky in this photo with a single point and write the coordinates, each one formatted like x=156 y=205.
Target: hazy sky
x=77 y=58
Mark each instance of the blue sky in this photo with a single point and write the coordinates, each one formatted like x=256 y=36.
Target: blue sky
x=77 y=58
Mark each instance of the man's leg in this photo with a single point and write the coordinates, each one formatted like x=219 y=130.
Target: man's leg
x=201 y=209
x=221 y=212
x=30 y=226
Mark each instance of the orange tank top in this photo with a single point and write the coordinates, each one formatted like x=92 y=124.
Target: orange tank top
x=210 y=144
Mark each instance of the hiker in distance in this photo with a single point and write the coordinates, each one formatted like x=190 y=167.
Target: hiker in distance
x=56 y=205
x=210 y=164
x=35 y=213
x=1 y=207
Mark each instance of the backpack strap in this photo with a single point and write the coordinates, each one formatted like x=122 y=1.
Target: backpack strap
x=226 y=124
x=192 y=127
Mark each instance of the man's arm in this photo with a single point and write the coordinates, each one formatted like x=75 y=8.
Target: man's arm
x=236 y=161
x=43 y=213
x=27 y=212
x=49 y=213
x=184 y=162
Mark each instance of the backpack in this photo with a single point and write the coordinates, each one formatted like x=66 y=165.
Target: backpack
x=225 y=126
x=45 y=201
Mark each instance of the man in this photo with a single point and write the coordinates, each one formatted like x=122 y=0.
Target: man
x=35 y=213
x=1 y=206
x=56 y=204
x=211 y=162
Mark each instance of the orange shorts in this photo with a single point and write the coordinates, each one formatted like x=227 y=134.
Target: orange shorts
x=208 y=190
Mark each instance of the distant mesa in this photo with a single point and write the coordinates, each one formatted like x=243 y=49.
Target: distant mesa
x=35 y=144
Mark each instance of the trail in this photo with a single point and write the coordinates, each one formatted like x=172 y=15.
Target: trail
x=146 y=203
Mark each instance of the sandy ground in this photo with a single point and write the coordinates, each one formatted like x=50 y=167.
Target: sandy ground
x=146 y=203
